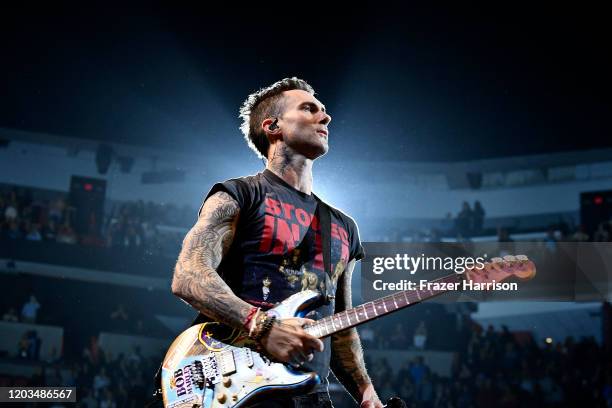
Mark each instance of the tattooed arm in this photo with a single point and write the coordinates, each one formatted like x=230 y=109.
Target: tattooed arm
x=195 y=277
x=347 y=355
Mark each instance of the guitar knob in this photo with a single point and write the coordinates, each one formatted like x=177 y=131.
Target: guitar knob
x=221 y=398
x=227 y=382
x=234 y=397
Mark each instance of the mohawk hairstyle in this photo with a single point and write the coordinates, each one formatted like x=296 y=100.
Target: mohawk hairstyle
x=265 y=103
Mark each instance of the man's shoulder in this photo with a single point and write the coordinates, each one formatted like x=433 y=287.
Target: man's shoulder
x=242 y=189
x=249 y=180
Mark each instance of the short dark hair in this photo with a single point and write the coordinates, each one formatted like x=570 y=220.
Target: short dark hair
x=266 y=103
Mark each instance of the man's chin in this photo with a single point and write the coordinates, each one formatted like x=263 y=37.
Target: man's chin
x=319 y=152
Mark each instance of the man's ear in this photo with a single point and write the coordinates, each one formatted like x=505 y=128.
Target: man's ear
x=270 y=126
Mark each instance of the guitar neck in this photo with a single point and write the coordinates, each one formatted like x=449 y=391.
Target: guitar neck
x=374 y=309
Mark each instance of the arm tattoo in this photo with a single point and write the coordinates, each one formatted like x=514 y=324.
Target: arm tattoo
x=347 y=355
x=196 y=280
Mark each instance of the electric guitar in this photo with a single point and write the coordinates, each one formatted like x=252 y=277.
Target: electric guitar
x=211 y=365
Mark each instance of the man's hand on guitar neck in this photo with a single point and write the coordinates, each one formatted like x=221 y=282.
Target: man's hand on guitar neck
x=288 y=342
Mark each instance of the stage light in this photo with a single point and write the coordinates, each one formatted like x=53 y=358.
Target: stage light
x=549 y=340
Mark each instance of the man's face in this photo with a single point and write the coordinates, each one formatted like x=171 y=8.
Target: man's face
x=304 y=124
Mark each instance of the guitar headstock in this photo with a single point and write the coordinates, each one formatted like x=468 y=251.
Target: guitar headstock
x=499 y=269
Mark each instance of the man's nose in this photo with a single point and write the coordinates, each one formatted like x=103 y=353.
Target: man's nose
x=326 y=118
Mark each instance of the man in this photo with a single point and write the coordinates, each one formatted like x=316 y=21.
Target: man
x=257 y=241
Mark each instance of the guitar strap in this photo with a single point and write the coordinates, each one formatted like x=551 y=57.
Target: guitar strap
x=325 y=223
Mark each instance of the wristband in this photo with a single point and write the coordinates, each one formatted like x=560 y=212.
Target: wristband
x=247 y=321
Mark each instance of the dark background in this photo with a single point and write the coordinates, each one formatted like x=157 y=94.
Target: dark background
x=401 y=82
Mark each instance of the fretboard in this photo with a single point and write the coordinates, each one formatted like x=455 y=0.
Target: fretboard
x=374 y=309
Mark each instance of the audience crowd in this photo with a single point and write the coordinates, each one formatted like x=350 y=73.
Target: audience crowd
x=28 y=214
x=24 y=215
x=501 y=369
x=101 y=380
x=492 y=369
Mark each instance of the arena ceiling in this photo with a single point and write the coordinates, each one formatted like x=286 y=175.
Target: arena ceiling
x=401 y=83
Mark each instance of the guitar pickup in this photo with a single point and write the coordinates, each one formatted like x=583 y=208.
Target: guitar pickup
x=226 y=363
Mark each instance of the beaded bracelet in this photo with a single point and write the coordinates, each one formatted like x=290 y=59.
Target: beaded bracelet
x=266 y=326
x=261 y=325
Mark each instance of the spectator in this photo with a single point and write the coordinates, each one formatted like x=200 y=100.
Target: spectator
x=463 y=222
x=13 y=232
x=580 y=235
x=602 y=234
x=56 y=210
x=135 y=356
x=108 y=401
x=66 y=235
x=92 y=238
x=425 y=390
x=418 y=370
x=10 y=315
x=29 y=346
x=95 y=354
x=551 y=240
x=478 y=218
x=100 y=382
x=420 y=336
x=133 y=235
x=10 y=212
x=503 y=235
x=29 y=311
x=33 y=233
x=34 y=343
x=23 y=346
x=49 y=231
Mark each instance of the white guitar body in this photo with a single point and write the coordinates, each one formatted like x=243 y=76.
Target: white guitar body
x=210 y=365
